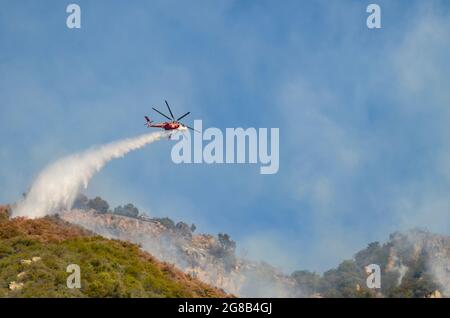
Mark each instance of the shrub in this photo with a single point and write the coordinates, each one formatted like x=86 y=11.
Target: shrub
x=98 y=204
x=128 y=210
x=168 y=223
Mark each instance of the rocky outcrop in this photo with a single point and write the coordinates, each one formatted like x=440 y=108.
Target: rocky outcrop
x=15 y=286
x=200 y=255
x=413 y=263
x=435 y=294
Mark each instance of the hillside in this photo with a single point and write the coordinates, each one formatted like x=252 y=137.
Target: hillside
x=413 y=264
x=34 y=255
x=209 y=258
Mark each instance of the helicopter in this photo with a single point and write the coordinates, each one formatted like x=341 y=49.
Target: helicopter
x=172 y=124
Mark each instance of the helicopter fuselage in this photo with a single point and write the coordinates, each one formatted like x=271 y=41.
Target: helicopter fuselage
x=166 y=125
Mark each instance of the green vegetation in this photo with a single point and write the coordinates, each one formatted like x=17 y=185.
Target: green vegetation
x=166 y=222
x=349 y=278
x=109 y=268
x=112 y=268
x=101 y=206
x=84 y=203
x=127 y=210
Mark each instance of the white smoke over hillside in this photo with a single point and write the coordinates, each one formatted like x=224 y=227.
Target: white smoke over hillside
x=57 y=186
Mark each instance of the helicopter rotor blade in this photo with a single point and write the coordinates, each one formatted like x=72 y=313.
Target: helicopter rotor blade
x=170 y=111
x=191 y=128
x=161 y=113
x=183 y=116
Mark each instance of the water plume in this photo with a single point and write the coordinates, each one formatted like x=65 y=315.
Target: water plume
x=58 y=185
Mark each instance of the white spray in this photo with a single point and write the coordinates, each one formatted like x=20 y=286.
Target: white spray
x=58 y=185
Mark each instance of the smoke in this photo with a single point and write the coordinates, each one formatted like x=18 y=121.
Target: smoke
x=400 y=268
x=437 y=251
x=440 y=269
x=192 y=254
x=58 y=185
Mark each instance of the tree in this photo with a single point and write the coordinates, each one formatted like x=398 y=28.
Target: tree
x=98 y=204
x=342 y=281
x=128 y=210
x=307 y=281
x=183 y=229
x=81 y=202
x=168 y=223
x=226 y=243
x=374 y=253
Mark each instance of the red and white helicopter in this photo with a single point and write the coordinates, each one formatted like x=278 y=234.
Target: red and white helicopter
x=172 y=124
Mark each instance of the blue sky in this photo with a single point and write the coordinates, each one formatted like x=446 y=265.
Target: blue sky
x=363 y=114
